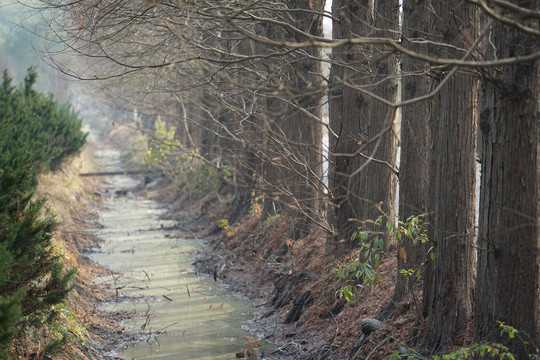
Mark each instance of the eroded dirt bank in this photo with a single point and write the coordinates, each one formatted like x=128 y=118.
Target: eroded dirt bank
x=301 y=313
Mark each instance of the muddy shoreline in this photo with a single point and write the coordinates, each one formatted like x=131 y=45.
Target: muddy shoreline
x=300 y=314
x=242 y=277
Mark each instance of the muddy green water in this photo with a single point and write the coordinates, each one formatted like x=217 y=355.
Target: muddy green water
x=183 y=316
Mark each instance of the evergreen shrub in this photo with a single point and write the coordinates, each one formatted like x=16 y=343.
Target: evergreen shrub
x=36 y=135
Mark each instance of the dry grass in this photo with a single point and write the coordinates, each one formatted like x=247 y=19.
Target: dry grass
x=249 y=251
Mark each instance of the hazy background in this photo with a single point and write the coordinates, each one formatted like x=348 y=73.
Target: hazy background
x=24 y=38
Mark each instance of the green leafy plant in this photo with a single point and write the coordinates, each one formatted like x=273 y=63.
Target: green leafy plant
x=509 y=330
x=490 y=350
x=521 y=336
x=482 y=351
x=361 y=271
x=161 y=144
x=486 y=350
x=190 y=170
x=198 y=178
x=257 y=203
x=415 y=228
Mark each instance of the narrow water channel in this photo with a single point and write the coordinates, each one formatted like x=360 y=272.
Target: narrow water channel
x=181 y=315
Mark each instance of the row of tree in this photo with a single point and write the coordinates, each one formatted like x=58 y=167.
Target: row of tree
x=37 y=135
x=246 y=84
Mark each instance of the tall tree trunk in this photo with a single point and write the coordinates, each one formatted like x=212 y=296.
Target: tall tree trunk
x=381 y=182
x=448 y=289
x=348 y=111
x=508 y=284
x=361 y=189
x=306 y=129
x=294 y=141
x=413 y=167
x=247 y=164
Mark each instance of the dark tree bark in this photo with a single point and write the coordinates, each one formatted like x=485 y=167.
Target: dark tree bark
x=361 y=189
x=381 y=184
x=413 y=167
x=246 y=166
x=508 y=284
x=246 y=163
x=348 y=113
x=448 y=289
x=294 y=138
